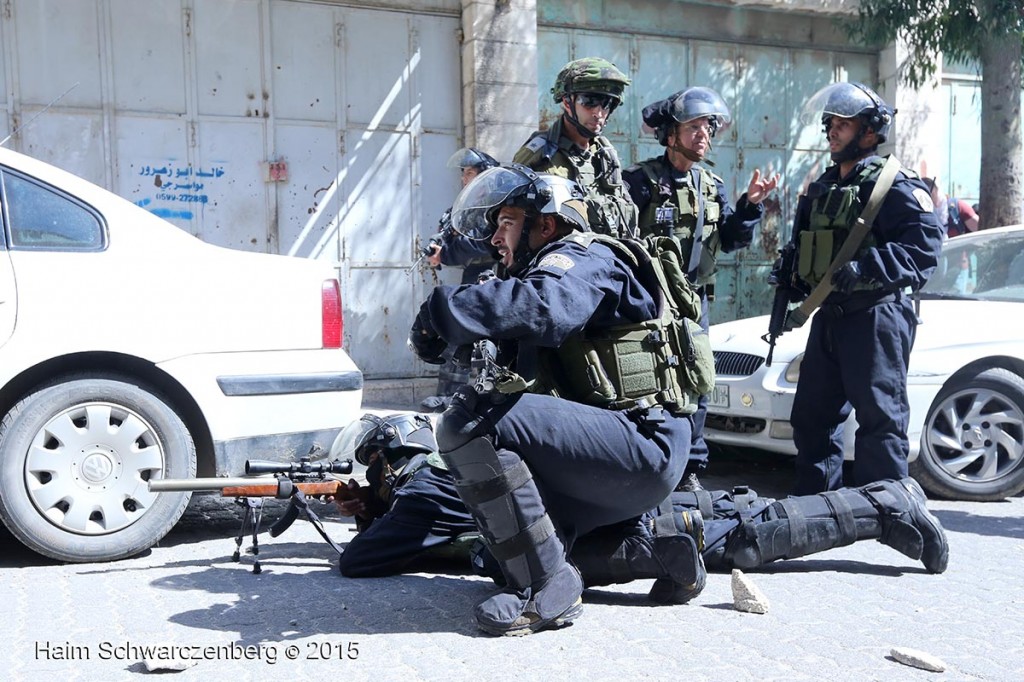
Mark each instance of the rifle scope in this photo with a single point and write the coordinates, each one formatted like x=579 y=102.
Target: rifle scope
x=303 y=466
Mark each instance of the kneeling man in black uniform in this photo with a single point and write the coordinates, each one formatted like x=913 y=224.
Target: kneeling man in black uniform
x=553 y=454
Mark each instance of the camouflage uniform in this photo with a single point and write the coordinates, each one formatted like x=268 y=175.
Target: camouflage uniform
x=597 y=168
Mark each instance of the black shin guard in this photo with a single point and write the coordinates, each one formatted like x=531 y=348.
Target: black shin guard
x=798 y=526
x=543 y=589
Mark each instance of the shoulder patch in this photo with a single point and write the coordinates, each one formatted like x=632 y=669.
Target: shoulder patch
x=924 y=199
x=536 y=143
x=556 y=261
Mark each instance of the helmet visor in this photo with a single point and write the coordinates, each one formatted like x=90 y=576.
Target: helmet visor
x=352 y=441
x=698 y=102
x=467 y=157
x=844 y=100
x=491 y=188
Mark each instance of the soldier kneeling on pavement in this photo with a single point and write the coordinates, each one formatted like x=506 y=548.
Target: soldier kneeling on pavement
x=580 y=422
x=414 y=513
x=574 y=306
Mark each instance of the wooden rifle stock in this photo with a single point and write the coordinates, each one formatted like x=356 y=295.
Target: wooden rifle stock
x=339 y=490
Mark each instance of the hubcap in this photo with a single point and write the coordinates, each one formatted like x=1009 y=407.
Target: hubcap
x=88 y=467
x=976 y=436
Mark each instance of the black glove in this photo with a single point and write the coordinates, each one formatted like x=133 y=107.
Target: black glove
x=424 y=341
x=846 y=277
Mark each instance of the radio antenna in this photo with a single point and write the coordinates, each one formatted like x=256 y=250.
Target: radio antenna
x=38 y=114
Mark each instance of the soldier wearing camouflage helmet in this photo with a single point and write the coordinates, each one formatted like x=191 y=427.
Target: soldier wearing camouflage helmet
x=676 y=196
x=587 y=90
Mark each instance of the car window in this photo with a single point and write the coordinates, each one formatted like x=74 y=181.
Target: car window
x=40 y=218
x=989 y=267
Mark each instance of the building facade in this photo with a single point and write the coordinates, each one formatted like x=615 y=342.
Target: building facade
x=321 y=129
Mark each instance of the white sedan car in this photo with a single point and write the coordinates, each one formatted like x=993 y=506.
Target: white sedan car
x=966 y=379
x=130 y=350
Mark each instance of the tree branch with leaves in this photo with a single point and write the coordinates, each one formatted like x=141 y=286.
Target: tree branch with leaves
x=989 y=31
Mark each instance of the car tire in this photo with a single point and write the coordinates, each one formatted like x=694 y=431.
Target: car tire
x=972 y=446
x=76 y=458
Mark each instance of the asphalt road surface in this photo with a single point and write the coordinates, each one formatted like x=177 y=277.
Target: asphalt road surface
x=835 y=615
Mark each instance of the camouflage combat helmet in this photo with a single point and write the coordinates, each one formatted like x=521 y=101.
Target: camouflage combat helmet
x=590 y=74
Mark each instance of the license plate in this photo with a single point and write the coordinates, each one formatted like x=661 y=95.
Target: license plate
x=719 y=396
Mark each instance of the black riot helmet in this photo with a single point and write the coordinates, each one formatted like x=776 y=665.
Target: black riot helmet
x=849 y=100
x=518 y=186
x=684 y=106
x=399 y=437
x=471 y=157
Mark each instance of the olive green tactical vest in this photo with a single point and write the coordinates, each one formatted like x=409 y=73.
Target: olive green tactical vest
x=598 y=171
x=666 y=361
x=672 y=211
x=833 y=213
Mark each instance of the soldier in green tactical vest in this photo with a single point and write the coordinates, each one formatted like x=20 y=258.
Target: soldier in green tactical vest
x=677 y=196
x=588 y=91
x=858 y=348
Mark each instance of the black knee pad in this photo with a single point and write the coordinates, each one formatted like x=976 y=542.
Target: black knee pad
x=456 y=426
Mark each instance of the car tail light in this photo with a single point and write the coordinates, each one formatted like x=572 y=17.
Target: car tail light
x=330 y=306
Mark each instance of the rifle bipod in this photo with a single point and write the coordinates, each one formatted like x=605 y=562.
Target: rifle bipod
x=253 y=515
x=297 y=502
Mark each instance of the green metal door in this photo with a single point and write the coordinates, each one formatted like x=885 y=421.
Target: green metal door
x=764 y=85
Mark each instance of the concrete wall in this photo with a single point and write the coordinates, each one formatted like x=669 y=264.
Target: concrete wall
x=499 y=74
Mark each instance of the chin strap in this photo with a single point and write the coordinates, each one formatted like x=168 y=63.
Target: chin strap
x=689 y=153
x=522 y=256
x=574 y=119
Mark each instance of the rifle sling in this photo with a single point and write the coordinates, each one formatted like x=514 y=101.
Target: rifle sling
x=693 y=263
x=853 y=241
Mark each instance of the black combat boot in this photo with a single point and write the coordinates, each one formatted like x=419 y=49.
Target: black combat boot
x=629 y=552
x=893 y=512
x=907 y=525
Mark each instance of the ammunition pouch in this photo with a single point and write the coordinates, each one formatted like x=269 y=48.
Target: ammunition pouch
x=672 y=212
x=834 y=210
x=666 y=361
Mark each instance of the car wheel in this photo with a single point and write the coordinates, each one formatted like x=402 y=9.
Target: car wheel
x=972 y=447
x=76 y=459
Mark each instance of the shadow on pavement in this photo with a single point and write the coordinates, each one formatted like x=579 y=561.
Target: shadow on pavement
x=997 y=526
x=289 y=606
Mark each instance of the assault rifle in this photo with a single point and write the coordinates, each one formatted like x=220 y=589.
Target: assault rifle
x=444 y=234
x=783 y=278
x=292 y=481
x=488 y=376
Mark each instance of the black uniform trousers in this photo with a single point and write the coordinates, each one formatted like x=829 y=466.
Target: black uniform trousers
x=856 y=356
x=698 y=446
x=593 y=467
x=426 y=514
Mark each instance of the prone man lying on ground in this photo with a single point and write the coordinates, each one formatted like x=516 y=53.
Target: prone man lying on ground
x=411 y=511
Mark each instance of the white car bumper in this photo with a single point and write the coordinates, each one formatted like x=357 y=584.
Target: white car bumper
x=270 y=405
